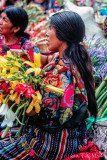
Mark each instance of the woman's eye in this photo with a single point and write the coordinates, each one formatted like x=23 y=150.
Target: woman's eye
x=5 y=19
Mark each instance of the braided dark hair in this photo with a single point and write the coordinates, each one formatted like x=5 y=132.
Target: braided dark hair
x=70 y=28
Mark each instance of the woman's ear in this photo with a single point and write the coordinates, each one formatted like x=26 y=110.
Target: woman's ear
x=16 y=29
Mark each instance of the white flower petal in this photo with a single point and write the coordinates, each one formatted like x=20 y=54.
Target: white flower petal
x=4 y=123
x=9 y=118
x=10 y=115
x=3 y=109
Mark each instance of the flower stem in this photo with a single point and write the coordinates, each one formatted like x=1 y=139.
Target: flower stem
x=101 y=110
x=105 y=111
x=100 y=87
x=5 y=132
x=21 y=127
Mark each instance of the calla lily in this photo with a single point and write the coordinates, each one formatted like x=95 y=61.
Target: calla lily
x=9 y=118
x=9 y=115
x=3 y=109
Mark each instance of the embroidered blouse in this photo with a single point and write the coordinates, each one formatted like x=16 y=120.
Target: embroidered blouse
x=57 y=109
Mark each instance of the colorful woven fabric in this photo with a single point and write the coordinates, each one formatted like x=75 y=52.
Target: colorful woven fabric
x=89 y=152
x=42 y=145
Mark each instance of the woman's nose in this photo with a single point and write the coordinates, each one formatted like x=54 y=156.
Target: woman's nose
x=47 y=33
x=0 y=20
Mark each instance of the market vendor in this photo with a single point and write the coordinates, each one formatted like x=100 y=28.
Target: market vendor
x=13 y=22
x=59 y=130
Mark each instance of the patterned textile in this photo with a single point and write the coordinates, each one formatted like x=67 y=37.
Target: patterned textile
x=48 y=140
x=42 y=145
x=22 y=43
x=59 y=75
x=89 y=152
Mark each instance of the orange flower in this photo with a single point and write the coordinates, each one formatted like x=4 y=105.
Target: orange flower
x=53 y=80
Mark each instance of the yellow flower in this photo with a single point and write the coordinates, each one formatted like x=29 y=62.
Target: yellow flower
x=14 y=83
x=35 y=103
x=14 y=69
x=37 y=59
x=4 y=67
x=35 y=70
x=15 y=97
x=1 y=97
x=35 y=67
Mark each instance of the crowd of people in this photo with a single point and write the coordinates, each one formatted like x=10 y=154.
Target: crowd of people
x=45 y=4
x=59 y=131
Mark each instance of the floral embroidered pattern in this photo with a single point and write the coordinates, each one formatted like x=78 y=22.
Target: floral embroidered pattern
x=54 y=80
x=68 y=98
x=51 y=103
x=68 y=78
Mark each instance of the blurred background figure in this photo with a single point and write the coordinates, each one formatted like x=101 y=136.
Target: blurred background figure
x=47 y=4
x=5 y=3
x=12 y=30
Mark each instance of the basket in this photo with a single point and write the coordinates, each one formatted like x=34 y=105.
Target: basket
x=43 y=47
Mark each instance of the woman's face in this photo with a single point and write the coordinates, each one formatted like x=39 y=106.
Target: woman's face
x=6 y=26
x=54 y=44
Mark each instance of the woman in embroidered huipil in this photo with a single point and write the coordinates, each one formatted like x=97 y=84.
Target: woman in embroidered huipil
x=59 y=131
x=13 y=22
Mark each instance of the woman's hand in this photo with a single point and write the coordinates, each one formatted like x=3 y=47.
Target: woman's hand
x=19 y=52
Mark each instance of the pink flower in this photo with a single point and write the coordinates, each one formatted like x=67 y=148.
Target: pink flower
x=25 y=89
x=7 y=89
x=68 y=98
x=29 y=92
x=3 y=86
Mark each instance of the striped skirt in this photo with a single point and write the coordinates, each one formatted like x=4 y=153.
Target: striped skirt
x=42 y=145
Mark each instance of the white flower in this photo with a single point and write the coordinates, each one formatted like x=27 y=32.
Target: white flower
x=9 y=115
x=3 y=109
x=9 y=118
